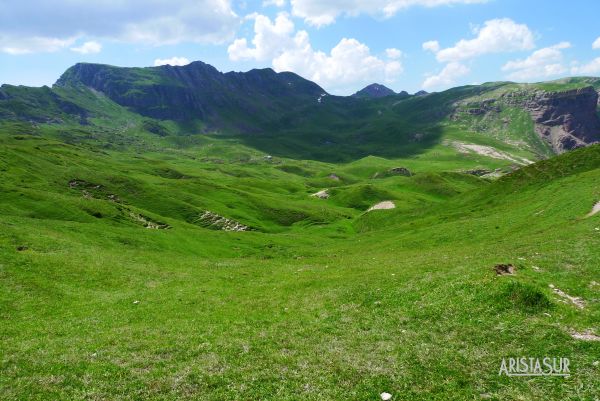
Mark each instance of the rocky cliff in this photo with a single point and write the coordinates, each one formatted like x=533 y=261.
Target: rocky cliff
x=566 y=120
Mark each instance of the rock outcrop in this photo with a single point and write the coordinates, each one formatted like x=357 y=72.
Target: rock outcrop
x=401 y=171
x=566 y=120
x=214 y=221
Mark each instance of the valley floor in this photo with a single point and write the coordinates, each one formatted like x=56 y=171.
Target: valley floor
x=321 y=301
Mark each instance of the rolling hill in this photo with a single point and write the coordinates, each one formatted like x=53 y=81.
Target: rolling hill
x=161 y=237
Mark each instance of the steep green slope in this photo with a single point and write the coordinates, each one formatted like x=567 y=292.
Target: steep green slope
x=242 y=102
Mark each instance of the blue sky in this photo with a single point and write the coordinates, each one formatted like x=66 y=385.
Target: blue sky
x=342 y=44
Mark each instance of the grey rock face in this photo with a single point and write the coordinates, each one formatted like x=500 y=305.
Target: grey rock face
x=566 y=120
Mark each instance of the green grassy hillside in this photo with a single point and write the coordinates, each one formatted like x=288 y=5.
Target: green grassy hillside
x=145 y=258
x=319 y=300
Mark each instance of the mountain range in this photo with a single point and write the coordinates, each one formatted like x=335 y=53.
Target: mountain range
x=285 y=114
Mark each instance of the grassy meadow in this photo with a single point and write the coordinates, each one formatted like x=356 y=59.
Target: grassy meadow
x=318 y=300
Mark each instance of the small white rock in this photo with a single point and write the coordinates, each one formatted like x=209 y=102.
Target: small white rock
x=136 y=302
x=386 y=396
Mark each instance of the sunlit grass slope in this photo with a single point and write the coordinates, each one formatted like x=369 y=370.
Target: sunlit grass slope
x=320 y=300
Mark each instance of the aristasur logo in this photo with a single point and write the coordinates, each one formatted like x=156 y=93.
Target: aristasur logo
x=525 y=366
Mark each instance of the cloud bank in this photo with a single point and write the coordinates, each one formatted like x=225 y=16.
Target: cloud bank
x=320 y=13
x=348 y=64
x=45 y=26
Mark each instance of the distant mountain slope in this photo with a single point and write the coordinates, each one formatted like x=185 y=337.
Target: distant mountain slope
x=37 y=105
x=284 y=114
x=241 y=101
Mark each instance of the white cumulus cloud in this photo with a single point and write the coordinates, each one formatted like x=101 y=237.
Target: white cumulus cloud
x=43 y=26
x=276 y=3
x=393 y=53
x=270 y=38
x=591 y=68
x=542 y=63
x=320 y=12
x=90 y=47
x=432 y=45
x=496 y=36
x=174 y=61
x=347 y=66
x=16 y=45
x=500 y=35
x=447 y=77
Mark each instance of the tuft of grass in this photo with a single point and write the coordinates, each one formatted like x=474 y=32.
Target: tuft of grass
x=523 y=296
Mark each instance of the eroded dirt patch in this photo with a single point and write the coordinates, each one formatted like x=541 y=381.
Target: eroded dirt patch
x=323 y=194
x=578 y=302
x=489 y=151
x=90 y=190
x=504 y=269
x=385 y=205
x=595 y=210
x=587 y=335
x=214 y=221
x=147 y=221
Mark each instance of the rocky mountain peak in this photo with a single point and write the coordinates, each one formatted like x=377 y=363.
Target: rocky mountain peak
x=374 y=91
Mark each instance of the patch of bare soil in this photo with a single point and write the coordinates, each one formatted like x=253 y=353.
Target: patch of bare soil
x=323 y=194
x=595 y=210
x=385 y=205
x=587 y=335
x=578 y=302
x=504 y=269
